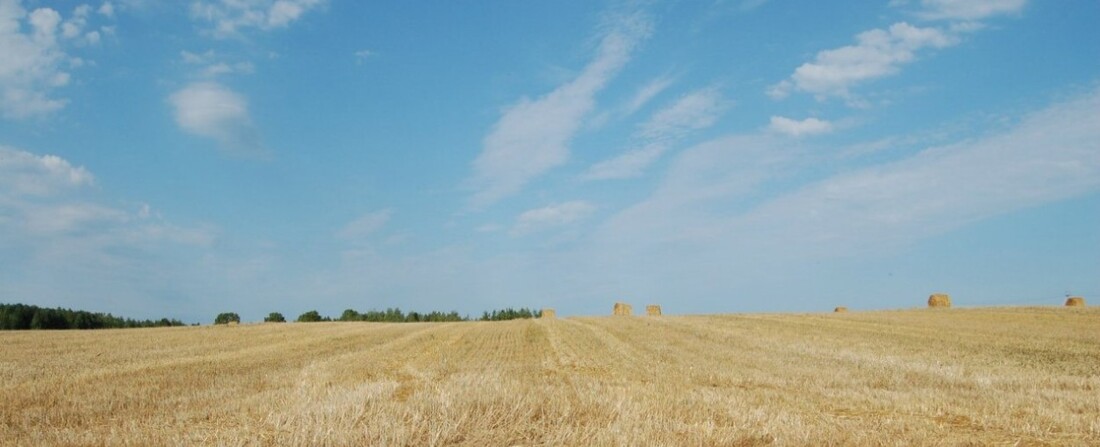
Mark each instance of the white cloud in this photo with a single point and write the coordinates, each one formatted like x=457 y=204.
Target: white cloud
x=211 y=110
x=204 y=58
x=1051 y=155
x=362 y=55
x=694 y=111
x=969 y=9
x=23 y=173
x=107 y=9
x=67 y=247
x=795 y=128
x=30 y=63
x=691 y=112
x=33 y=57
x=45 y=196
x=230 y=17
x=647 y=93
x=877 y=53
x=629 y=164
x=213 y=66
x=551 y=216
x=716 y=193
x=533 y=136
x=365 y=225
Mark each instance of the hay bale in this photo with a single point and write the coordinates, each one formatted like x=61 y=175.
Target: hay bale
x=548 y=313
x=622 y=309
x=939 y=300
x=840 y=309
x=653 y=310
x=232 y=323
x=1075 y=301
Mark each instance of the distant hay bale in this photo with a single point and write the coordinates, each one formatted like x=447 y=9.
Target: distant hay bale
x=939 y=300
x=1075 y=301
x=232 y=323
x=622 y=309
x=549 y=313
x=653 y=310
x=840 y=309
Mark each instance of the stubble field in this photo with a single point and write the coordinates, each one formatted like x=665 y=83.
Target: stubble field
x=995 y=376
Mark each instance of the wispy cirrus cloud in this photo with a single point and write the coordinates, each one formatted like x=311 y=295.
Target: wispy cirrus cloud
x=798 y=128
x=365 y=225
x=532 y=136
x=880 y=53
x=228 y=18
x=877 y=53
x=1050 y=155
x=212 y=65
x=552 y=216
x=646 y=94
x=211 y=110
x=691 y=112
x=968 y=9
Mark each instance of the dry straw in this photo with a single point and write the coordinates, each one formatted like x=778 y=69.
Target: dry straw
x=840 y=309
x=653 y=310
x=939 y=300
x=548 y=313
x=1075 y=301
x=622 y=309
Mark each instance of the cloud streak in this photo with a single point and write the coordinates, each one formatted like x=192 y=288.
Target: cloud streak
x=692 y=112
x=968 y=9
x=230 y=17
x=796 y=128
x=532 y=136
x=1050 y=155
x=552 y=216
x=712 y=193
x=877 y=53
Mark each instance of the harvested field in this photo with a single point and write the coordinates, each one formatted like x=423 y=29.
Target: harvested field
x=1008 y=376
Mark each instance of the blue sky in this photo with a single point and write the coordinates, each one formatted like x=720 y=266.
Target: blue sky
x=180 y=159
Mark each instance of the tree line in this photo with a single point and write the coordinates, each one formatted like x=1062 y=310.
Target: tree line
x=24 y=316
x=391 y=315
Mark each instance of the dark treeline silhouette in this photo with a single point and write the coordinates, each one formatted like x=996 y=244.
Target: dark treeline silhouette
x=24 y=316
x=510 y=314
x=395 y=315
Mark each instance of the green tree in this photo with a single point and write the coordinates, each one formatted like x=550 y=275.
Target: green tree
x=350 y=315
x=226 y=317
x=310 y=317
x=274 y=317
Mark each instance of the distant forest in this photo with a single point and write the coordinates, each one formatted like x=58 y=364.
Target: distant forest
x=24 y=316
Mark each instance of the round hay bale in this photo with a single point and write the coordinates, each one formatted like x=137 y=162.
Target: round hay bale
x=232 y=323
x=653 y=310
x=622 y=309
x=840 y=309
x=939 y=300
x=548 y=313
x=1075 y=301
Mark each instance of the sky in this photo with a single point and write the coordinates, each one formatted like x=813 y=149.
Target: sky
x=185 y=158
